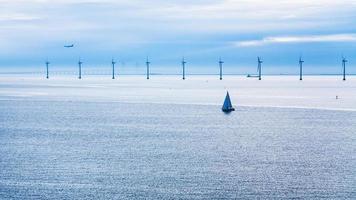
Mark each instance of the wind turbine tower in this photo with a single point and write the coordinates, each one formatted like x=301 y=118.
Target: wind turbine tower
x=344 y=61
x=80 y=68
x=148 y=68
x=221 y=65
x=301 y=68
x=183 y=65
x=259 y=68
x=47 y=65
x=113 y=68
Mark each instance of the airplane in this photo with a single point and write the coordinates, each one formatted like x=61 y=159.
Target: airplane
x=69 y=46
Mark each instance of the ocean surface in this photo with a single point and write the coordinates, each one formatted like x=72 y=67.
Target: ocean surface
x=98 y=150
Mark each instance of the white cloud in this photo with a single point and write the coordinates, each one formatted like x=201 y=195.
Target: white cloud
x=298 y=39
x=119 y=22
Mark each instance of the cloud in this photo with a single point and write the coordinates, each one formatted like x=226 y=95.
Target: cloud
x=167 y=26
x=298 y=39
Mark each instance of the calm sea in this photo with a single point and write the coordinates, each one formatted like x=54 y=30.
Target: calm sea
x=83 y=150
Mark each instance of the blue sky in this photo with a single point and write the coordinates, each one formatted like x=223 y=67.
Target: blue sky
x=165 y=30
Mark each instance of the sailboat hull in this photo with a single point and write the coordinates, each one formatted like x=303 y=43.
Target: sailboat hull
x=227 y=110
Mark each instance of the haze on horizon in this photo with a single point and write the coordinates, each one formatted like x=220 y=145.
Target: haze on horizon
x=165 y=30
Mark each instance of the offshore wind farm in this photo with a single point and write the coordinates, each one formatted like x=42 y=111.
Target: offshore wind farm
x=220 y=65
x=225 y=99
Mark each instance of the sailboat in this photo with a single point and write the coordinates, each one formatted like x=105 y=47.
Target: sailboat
x=227 y=107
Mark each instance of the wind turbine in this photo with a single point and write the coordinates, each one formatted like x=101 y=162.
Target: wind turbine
x=148 y=68
x=80 y=68
x=183 y=65
x=113 y=68
x=47 y=64
x=220 y=65
x=301 y=68
x=344 y=61
x=259 y=68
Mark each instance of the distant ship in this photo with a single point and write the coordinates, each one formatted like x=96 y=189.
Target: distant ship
x=227 y=107
x=252 y=76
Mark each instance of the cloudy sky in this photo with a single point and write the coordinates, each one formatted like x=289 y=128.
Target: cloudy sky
x=166 y=30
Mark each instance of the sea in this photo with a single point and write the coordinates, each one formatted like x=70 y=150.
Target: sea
x=115 y=150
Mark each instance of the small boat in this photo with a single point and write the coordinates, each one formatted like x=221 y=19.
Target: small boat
x=227 y=107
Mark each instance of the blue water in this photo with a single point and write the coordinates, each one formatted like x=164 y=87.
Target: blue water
x=78 y=150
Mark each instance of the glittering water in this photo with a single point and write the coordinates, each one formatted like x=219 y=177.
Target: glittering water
x=79 y=150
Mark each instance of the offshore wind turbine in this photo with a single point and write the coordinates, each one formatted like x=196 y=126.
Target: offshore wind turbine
x=47 y=65
x=148 y=68
x=301 y=68
x=259 y=68
x=183 y=66
x=344 y=61
x=113 y=68
x=221 y=65
x=80 y=68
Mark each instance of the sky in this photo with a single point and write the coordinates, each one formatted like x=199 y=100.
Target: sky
x=202 y=31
